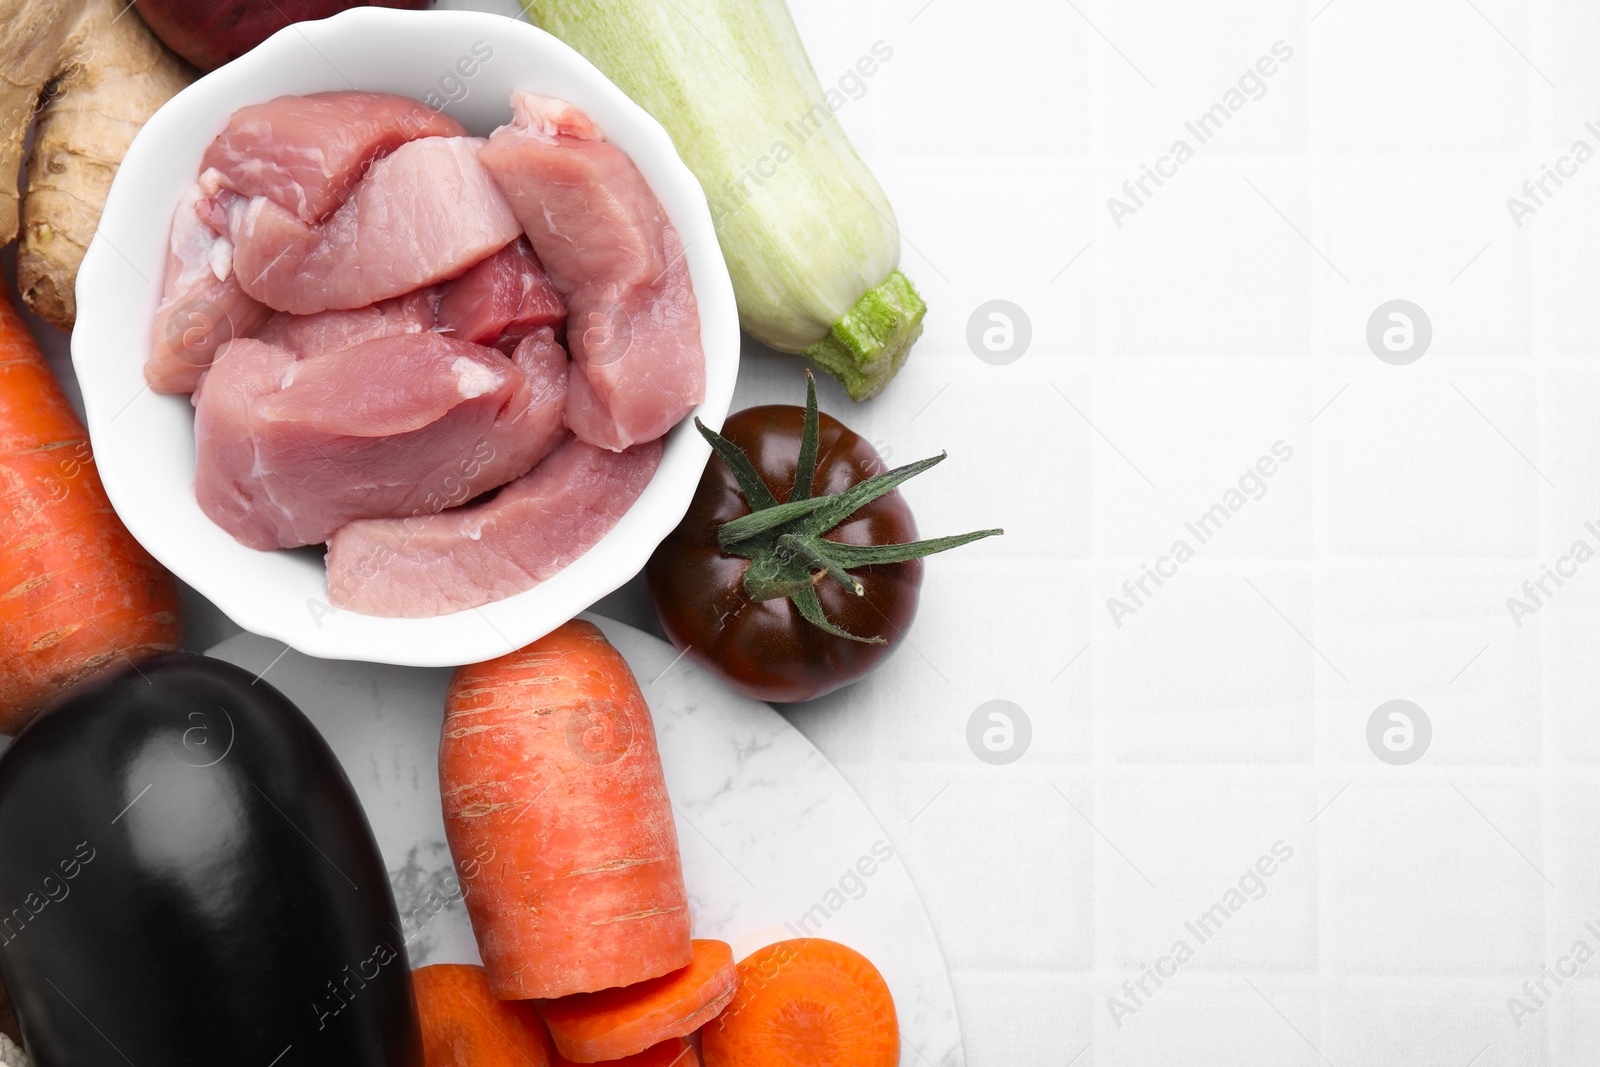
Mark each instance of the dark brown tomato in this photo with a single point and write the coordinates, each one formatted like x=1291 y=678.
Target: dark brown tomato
x=765 y=648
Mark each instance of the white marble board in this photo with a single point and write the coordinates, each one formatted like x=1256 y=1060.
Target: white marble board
x=770 y=832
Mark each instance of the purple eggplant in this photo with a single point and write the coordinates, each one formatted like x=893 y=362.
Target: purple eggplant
x=187 y=878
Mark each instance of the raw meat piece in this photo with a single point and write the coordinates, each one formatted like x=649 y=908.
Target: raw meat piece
x=202 y=307
x=534 y=421
x=469 y=556
x=245 y=370
x=502 y=300
x=633 y=325
x=643 y=368
x=329 y=331
x=600 y=223
x=306 y=153
x=290 y=450
x=421 y=215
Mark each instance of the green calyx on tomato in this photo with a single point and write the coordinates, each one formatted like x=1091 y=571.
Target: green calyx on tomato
x=785 y=542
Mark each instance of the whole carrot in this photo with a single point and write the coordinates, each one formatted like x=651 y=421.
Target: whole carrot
x=557 y=816
x=77 y=592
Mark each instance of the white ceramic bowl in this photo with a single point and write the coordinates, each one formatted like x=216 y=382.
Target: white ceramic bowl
x=144 y=443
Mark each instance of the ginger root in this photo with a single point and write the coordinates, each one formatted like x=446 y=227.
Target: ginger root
x=93 y=73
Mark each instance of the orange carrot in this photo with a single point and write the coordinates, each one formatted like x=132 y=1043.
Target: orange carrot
x=807 y=1001
x=77 y=592
x=674 y=1053
x=557 y=815
x=463 y=1025
x=613 y=1023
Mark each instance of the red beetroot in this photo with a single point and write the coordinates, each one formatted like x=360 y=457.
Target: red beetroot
x=208 y=33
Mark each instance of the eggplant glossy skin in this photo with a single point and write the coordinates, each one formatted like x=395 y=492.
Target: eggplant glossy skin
x=187 y=878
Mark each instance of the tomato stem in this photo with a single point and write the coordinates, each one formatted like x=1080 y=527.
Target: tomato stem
x=805 y=470
x=810 y=550
x=785 y=542
x=755 y=490
x=745 y=527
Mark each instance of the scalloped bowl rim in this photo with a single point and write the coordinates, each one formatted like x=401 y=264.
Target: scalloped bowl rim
x=147 y=464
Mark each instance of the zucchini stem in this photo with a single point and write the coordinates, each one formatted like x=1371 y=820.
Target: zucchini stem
x=865 y=348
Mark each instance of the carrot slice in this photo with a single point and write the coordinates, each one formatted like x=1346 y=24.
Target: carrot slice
x=77 y=592
x=557 y=816
x=464 y=1025
x=805 y=1003
x=613 y=1023
x=674 y=1053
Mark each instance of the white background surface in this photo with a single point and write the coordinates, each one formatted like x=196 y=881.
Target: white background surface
x=1168 y=354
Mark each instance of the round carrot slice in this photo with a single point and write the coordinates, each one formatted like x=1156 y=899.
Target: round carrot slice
x=805 y=1003
x=674 y=1053
x=464 y=1025
x=613 y=1023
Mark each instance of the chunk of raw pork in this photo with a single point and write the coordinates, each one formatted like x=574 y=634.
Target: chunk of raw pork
x=306 y=153
x=202 y=307
x=534 y=421
x=421 y=215
x=329 y=331
x=290 y=450
x=469 y=556
x=502 y=300
x=633 y=326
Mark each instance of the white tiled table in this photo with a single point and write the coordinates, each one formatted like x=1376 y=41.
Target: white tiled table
x=1229 y=712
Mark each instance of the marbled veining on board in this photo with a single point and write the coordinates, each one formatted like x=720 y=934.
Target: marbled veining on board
x=775 y=844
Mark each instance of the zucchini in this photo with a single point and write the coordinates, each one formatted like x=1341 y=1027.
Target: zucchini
x=809 y=236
